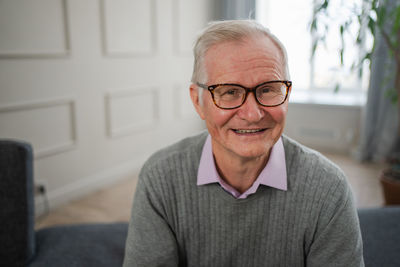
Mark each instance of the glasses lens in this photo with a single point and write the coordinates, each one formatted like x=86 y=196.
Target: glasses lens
x=271 y=94
x=229 y=96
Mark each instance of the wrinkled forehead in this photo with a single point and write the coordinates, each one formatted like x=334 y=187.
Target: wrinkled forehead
x=249 y=54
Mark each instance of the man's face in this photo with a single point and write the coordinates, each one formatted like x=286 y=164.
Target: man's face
x=250 y=63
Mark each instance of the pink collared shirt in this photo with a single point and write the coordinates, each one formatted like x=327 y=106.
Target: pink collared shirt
x=273 y=174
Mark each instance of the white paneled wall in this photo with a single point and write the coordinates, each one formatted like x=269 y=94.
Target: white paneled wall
x=31 y=121
x=26 y=30
x=96 y=86
x=198 y=12
x=129 y=27
x=329 y=128
x=132 y=111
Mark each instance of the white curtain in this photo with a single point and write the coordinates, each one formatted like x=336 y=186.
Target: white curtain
x=380 y=135
x=237 y=9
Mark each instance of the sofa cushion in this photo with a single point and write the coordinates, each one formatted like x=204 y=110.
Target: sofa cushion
x=380 y=228
x=81 y=245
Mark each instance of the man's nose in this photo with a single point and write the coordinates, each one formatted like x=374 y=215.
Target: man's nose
x=251 y=111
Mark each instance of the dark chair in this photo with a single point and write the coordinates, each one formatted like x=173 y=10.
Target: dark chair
x=68 y=245
x=17 y=236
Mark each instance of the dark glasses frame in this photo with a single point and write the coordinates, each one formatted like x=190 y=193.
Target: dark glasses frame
x=211 y=89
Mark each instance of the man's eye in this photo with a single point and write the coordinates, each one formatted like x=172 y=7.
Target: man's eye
x=265 y=90
x=269 y=90
x=230 y=92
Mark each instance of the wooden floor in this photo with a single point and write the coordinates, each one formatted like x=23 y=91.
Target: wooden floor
x=113 y=204
x=363 y=178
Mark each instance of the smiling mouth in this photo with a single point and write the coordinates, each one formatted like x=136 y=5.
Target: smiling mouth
x=248 y=131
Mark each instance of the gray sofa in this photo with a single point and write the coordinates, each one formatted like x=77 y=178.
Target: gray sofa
x=103 y=244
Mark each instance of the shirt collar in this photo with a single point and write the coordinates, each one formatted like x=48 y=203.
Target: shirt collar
x=273 y=175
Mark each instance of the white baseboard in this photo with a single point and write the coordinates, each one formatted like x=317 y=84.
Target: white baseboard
x=86 y=185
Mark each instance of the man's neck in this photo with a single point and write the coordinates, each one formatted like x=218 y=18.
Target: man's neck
x=240 y=173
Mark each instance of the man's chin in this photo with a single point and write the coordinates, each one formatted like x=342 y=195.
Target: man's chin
x=252 y=152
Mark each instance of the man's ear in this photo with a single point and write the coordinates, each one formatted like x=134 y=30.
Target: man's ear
x=197 y=102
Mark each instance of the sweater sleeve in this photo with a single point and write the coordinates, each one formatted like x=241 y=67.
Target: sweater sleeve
x=337 y=240
x=150 y=240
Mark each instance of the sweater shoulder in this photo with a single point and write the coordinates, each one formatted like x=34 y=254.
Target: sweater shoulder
x=312 y=165
x=320 y=182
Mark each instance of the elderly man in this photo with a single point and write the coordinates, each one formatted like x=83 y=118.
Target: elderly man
x=242 y=194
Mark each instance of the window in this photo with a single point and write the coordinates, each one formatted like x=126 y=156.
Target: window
x=289 y=20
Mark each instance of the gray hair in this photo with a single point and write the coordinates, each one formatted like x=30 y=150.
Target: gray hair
x=218 y=32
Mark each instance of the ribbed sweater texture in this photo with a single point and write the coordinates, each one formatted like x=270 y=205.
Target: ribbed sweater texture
x=177 y=223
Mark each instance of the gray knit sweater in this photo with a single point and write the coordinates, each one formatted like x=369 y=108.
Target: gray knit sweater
x=177 y=223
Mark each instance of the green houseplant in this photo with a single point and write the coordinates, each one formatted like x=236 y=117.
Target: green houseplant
x=362 y=20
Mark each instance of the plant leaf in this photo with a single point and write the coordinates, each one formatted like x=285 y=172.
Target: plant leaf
x=371 y=25
x=381 y=16
x=337 y=88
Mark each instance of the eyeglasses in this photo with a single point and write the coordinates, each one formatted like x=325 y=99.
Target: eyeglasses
x=230 y=96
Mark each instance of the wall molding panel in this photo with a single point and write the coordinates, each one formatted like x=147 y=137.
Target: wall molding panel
x=30 y=122
x=128 y=28
x=44 y=32
x=183 y=106
x=131 y=111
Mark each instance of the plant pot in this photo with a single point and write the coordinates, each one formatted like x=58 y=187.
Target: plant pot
x=391 y=187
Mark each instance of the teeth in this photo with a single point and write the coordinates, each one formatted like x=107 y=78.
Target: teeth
x=248 y=131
